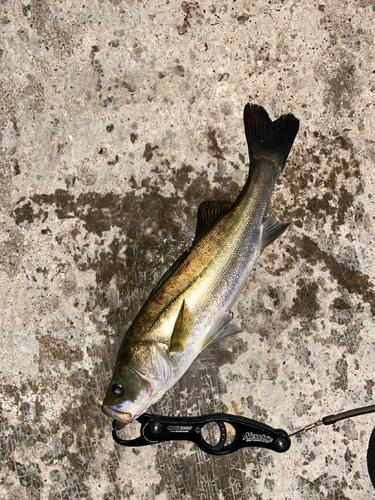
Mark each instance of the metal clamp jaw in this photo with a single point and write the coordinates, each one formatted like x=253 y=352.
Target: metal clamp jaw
x=248 y=433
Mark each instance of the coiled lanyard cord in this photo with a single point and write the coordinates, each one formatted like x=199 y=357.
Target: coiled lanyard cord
x=332 y=419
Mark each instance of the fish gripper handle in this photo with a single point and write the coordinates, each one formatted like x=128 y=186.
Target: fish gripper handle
x=248 y=433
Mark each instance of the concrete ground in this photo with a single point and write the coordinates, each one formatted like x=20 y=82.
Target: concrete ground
x=118 y=118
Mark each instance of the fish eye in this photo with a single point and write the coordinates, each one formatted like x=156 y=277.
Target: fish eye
x=117 y=389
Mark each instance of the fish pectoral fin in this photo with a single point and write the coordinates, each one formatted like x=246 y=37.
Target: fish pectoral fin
x=220 y=329
x=182 y=329
x=208 y=213
x=271 y=230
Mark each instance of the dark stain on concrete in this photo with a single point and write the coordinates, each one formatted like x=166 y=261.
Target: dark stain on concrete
x=16 y=166
x=58 y=350
x=30 y=433
x=63 y=40
x=80 y=423
x=188 y=8
x=213 y=146
x=11 y=252
x=30 y=478
x=97 y=67
x=133 y=137
x=256 y=412
x=113 y=162
x=340 y=304
x=243 y=19
x=313 y=489
x=152 y=228
x=341 y=381
x=349 y=337
x=352 y=280
x=219 y=483
x=24 y=213
x=305 y=303
x=320 y=190
x=128 y=85
x=148 y=152
x=341 y=87
x=91 y=207
x=303 y=353
x=369 y=388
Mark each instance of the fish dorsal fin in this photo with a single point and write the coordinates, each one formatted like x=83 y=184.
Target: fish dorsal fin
x=182 y=329
x=168 y=273
x=220 y=329
x=208 y=213
x=271 y=230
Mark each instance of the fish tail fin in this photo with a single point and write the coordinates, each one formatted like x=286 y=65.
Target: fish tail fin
x=266 y=138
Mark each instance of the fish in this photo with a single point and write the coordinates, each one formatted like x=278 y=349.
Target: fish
x=190 y=307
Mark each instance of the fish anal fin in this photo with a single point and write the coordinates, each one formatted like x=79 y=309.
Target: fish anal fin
x=271 y=230
x=227 y=332
x=209 y=212
x=220 y=329
x=182 y=329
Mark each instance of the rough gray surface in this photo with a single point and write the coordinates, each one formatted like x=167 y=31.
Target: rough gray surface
x=117 y=119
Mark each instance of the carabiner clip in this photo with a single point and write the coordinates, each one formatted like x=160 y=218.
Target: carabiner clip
x=248 y=433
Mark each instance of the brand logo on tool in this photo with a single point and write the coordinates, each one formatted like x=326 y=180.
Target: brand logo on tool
x=260 y=438
x=179 y=428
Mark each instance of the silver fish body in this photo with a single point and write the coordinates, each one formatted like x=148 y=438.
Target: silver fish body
x=190 y=307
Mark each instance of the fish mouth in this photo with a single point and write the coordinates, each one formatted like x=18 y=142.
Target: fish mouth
x=121 y=416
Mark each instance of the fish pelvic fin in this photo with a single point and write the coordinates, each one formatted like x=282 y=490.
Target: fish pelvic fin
x=220 y=329
x=272 y=228
x=265 y=137
x=182 y=329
